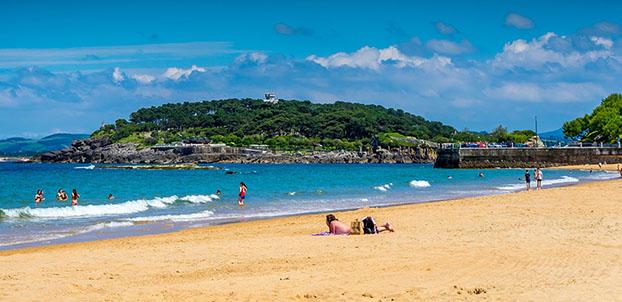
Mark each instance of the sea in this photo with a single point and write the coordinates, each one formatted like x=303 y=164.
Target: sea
x=157 y=201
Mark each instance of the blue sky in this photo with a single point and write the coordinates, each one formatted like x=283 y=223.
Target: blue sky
x=68 y=66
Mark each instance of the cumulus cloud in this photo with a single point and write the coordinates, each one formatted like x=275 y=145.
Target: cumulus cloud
x=518 y=21
x=289 y=30
x=444 y=28
x=374 y=58
x=175 y=73
x=600 y=41
x=539 y=53
x=143 y=78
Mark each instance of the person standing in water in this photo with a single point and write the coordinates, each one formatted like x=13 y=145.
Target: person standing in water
x=242 y=194
x=74 y=197
x=538 y=174
x=528 y=180
x=39 y=196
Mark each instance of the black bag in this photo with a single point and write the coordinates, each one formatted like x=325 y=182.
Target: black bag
x=369 y=225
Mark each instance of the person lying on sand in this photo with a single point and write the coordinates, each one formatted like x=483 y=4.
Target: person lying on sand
x=337 y=227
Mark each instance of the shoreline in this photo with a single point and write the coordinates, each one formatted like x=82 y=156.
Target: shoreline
x=510 y=246
x=167 y=227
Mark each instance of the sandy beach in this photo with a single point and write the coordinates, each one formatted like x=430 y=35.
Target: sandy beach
x=560 y=244
x=594 y=167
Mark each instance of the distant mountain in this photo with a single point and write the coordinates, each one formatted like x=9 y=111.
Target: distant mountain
x=555 y=135
x=19 y=146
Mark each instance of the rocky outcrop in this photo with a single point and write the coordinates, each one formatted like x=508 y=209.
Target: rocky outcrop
x=103 y=150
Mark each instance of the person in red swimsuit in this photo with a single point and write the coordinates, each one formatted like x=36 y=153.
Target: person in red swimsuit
x=242 y=194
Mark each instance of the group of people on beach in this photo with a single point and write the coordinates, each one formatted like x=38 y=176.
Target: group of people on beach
x=61 y=195
x=537 y=175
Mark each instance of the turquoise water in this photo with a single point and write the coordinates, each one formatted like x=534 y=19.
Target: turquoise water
x=156 y=201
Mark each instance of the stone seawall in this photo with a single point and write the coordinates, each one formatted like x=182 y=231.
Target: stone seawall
x=527 y=157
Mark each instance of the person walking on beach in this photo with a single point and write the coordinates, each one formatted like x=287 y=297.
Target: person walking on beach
x=242 y=194
x=74 y=197
x=528 y=180
x=538 y=175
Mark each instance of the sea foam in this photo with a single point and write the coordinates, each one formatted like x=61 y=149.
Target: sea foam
x=545 y=183
x=419 y=184
x=128 y=207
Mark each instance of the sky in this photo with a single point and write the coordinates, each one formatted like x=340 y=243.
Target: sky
x=69 y=66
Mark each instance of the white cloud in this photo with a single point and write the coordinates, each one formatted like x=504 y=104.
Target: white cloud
x=600 y=41
x=109 y=56
x=535 y=54
x=373 y=58
x=143 y=78
x=175 y=73
x=255 y=57
x=117 y=75
x=518 y=21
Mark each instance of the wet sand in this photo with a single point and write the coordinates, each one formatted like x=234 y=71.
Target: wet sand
x=559 y=244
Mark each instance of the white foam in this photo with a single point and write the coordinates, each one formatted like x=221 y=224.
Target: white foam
x=545 y=183
x=384 y=187
x=177 y=218
x=103 y=225
x=127 y=207
x=197 y=198
x=291 y=193
x=419 y=184
x=90 y=167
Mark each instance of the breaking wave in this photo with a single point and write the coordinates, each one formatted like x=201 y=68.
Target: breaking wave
x=384 y=187
x=90 y=167
x=419 y=184
x=128 y=207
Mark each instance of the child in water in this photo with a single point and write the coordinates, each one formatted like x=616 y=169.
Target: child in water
x=242 y=194
x=74 y=197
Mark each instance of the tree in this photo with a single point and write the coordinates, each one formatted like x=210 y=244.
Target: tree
x=603 y=125
x=499 y=134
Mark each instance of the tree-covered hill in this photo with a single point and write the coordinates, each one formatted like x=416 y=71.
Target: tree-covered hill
x=286 y=124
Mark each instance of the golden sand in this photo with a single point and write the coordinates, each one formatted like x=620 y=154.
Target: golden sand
x=560 y=244
x=605 y=167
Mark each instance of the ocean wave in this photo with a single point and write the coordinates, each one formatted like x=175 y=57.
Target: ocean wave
x=128 y=207
x=545 y=183
x=419 y=184
x=176 y=218
x=104 y=225
x=90 y=167
x=384 y=187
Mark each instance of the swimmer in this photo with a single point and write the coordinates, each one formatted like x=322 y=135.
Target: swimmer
x=481 y=174
x=39 y=196
x=242 y=194
x=74 y=197
x=110 y=196
x=218 y=192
